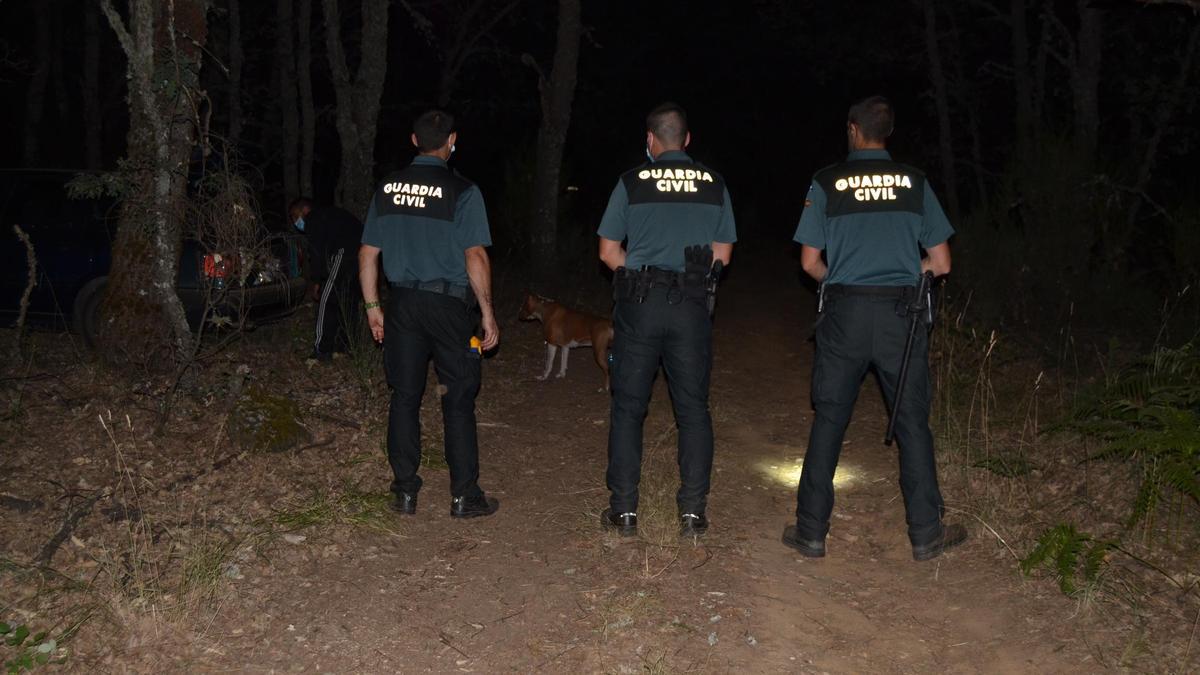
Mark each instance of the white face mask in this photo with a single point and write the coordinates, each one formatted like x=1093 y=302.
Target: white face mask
x=299 y=223
x=648 y=155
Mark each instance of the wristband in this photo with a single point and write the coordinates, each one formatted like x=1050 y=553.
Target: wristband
x=371 y=305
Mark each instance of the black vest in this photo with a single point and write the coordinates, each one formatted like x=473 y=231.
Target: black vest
x=674 y=182
x=420 y=190
x=871 y=186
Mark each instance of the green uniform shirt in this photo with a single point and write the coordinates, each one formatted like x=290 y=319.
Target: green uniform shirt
x=422 y=218
x=664 y=206
x=872 y=216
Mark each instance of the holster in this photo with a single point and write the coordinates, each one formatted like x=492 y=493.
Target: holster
x=634 y=285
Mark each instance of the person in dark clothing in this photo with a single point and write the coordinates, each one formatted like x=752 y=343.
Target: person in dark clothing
x=428 y=226
x=333 y=238
x=660 y=209
x=871 y=217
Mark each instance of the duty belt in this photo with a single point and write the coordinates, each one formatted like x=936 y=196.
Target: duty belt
x=878 y=291
x=441 y=286
x=634 y=284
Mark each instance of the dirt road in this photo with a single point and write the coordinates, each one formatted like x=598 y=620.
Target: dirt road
x=539 y=587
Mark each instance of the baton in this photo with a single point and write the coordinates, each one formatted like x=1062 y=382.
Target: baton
x=914 y=311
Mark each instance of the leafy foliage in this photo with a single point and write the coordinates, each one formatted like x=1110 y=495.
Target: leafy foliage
x=30 y=653
x=1149 y=415
x=1075 y=558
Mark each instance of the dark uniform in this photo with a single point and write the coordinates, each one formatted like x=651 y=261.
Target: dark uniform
x=423 y=218
x=662 y=207
x=333 y=236
x=871 y=216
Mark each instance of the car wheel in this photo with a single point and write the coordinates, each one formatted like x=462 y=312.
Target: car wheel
x=85 y=315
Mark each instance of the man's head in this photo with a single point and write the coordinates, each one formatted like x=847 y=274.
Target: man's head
x=869 y=123
x=666 y=129
x=434 y=134
x=299 y=208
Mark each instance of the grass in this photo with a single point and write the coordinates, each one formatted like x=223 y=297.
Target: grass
x=323 y=509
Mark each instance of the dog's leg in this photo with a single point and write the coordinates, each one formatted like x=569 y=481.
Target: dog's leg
x=562 y=371
x=551 y=350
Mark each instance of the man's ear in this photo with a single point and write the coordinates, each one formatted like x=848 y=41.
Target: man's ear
x=687 y=139
x=452 y=138
x=649 y=138
x=414 y=141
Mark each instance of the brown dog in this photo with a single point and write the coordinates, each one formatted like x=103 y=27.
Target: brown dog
x=568 y=328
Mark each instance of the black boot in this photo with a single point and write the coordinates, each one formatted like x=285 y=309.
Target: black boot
x=468 y=507
x=404 y=503
x=693 y=525
x=624 y=523
x=951 y=536
x=812 y=548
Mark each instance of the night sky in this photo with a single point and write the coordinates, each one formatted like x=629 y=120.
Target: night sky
x=766 y=84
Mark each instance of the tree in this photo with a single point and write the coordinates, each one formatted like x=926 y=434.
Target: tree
x=937 y=78
x=93 y=122
x=556 y=93
x=35 y=96
x=285 y=28
x=469 y=22
x=308 y=114
x=357 y=99
x=141 y=314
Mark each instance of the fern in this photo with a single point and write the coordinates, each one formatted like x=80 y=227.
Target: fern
x=1075 y=558
x=1149 y=416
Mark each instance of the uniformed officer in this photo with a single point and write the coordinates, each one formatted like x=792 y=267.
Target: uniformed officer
x=871 y=216
x=430 y=226
x=669 y=204
x=333 y=236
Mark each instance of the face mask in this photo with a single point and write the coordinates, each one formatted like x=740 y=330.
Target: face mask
x=648 y=155
x=452 y=148
x=299 y=223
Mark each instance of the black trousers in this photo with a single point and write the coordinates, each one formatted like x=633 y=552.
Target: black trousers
x=854 y=334
x=679 y=335
x=419 y=325
x=338 y=304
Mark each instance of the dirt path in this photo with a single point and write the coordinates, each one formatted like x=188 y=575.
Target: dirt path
x=539 y=588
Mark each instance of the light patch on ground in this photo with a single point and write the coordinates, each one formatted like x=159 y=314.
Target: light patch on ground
x=788 y=473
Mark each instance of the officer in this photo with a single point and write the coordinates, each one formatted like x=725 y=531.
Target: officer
x=871 y=216
x=430 y=226
x=333 y=235
x=666 y=205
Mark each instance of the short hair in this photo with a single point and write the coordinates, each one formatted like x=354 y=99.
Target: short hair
x=874 y=117
x=668 y=122
x=298 y=204
x=432 y=129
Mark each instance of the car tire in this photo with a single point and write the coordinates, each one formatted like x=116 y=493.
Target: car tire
x=85 y=314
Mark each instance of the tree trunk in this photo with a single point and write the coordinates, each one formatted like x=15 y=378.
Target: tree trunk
x=285 y=28
x=236 y=60
x=472 y=25
x=1022 y=78
x=1164 y=112
x=308 y=114
x=35 y=95
x=557 y=94
x=357 y=100
x=141 y=314
x=93 y=123
x=937 y=77
x=1085 y=79
x=969 y=100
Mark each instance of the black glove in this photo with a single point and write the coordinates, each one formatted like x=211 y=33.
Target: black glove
x=697 y=261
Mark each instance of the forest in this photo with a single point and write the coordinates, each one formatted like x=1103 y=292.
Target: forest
x=181 y=489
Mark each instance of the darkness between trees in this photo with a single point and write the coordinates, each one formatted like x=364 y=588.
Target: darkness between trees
x=1061 y=135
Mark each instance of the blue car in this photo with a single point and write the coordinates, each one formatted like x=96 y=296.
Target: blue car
x=72 y=240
